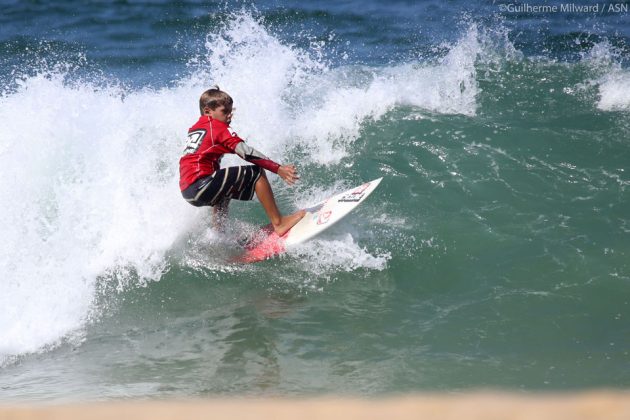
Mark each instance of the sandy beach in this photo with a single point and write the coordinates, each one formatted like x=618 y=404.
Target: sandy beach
x=611 y=405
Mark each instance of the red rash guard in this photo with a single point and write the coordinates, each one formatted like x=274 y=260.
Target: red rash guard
x=208 y=140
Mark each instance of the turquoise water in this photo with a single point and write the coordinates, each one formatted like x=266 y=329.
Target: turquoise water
x=493 y=255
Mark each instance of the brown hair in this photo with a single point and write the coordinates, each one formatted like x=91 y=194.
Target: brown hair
x=214 y=98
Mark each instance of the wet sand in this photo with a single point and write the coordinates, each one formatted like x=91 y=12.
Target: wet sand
x=613 y=405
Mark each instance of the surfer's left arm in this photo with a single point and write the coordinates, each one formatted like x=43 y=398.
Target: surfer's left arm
x=237 y=145
x=287 y=172
x=252 y=155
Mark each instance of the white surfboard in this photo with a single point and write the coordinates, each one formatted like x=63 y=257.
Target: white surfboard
x=318 y=218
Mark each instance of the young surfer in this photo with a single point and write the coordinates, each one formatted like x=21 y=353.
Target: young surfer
x=204 y=183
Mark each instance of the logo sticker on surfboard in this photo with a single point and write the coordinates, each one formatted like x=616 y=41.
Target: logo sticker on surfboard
x=355 y=195
x=324 y=217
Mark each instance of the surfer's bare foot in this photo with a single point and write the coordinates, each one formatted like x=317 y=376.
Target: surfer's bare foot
x=287 y=222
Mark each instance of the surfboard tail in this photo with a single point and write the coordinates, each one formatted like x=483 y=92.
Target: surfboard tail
x=270 y=246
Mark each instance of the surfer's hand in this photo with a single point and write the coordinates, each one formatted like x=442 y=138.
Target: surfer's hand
x=288 y=173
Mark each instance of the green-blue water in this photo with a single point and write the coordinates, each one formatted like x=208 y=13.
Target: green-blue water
x=493 y=255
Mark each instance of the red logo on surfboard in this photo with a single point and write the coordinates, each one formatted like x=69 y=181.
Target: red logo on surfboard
x=355 y=195
x=324 y=217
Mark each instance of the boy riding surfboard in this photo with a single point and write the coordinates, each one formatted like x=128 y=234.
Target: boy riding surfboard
x=204 y=183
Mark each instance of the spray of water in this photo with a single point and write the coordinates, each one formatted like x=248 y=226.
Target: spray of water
x=90 y=177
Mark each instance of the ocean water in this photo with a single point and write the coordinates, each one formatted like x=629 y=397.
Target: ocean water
x=495 y=253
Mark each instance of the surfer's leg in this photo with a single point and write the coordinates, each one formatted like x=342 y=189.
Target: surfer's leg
x=281 y=224
x=219 y=215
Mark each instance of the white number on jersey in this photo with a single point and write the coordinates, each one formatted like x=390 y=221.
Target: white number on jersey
x=194 y=141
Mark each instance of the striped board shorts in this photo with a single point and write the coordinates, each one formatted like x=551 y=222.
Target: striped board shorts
x=236 y=182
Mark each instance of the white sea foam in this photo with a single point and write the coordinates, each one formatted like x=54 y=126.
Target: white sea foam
x=89 y=176
x=614 y=91
x=89 y=184
x=285 y=97
x=613 y=81
x=325 y=257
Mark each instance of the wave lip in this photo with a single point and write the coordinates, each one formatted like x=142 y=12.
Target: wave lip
x=295 y=96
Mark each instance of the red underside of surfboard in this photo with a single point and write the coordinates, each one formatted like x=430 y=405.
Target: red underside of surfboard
x=267 y=244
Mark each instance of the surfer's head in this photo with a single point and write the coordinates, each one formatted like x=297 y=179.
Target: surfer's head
x=217 y=104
